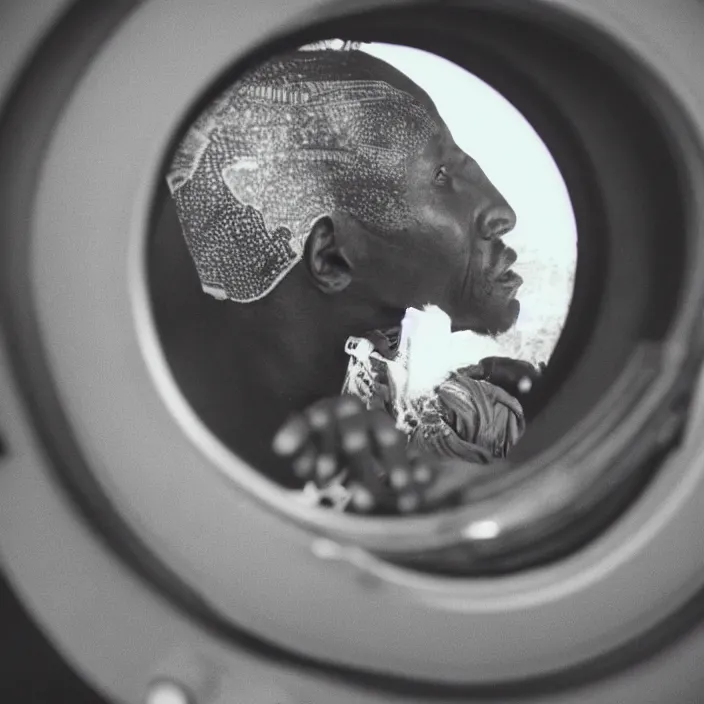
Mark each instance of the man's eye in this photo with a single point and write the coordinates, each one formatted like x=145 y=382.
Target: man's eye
x=441 y=176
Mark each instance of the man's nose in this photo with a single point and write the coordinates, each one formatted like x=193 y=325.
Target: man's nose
x=497 y=220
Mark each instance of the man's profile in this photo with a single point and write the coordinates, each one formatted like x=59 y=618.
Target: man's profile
x=319 y=198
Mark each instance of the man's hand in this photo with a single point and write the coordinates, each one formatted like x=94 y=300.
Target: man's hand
x=340 y=435
x=513 y=375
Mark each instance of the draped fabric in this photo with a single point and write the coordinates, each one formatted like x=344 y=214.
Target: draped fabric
x=473 y=420
x=464 y=417
x=298 y=138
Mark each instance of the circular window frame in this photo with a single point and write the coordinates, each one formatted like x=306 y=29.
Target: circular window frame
x=171 y=540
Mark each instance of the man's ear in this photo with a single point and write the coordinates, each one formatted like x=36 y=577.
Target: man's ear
x=325 y=258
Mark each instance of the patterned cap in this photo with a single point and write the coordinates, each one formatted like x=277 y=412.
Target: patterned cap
x=300 y=137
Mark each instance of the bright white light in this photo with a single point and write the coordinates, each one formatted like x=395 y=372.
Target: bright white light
x=525 y=385
x=481 y=530
x=490 y=129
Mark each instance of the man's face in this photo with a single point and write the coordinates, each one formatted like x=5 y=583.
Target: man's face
x=452 y=254
x=462 y=216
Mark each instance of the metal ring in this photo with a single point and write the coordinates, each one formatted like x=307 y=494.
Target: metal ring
x=388 y=620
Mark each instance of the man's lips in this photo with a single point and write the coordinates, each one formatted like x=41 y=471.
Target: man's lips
x=503 y=274
x=510 y=279
x=507 y=258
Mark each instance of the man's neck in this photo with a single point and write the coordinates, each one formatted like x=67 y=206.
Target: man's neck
x=245 y=368
x=293 y=356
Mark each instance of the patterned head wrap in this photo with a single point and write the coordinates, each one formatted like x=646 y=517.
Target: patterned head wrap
x=300 y=137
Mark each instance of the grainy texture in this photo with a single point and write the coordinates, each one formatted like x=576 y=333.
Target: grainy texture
x=303 y=136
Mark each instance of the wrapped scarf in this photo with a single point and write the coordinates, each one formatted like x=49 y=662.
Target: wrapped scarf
x=444 y=412
x=460 y=416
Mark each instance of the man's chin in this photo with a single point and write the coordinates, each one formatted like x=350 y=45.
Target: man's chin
x=493 y=324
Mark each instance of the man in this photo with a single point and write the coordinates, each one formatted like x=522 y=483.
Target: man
x=324 y=195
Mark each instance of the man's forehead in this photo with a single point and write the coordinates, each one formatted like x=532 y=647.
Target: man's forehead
x=442 y=144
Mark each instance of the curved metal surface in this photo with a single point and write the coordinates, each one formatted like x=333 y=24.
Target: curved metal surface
x=395 y=619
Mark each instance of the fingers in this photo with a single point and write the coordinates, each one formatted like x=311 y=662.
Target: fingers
x=363 y=500
x=305 y=463
x=340 y=434
x=358 y=449
x=427 y=486
x=390 y=444
x=322 y=423
x=515 y=376
x=292 y=437
x=312 y=440
x=376 y=452
x=372 y=447
x=308 y=441
x=434 y=484
x=413 y=486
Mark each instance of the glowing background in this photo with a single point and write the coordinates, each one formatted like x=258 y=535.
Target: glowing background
x=488 y=127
